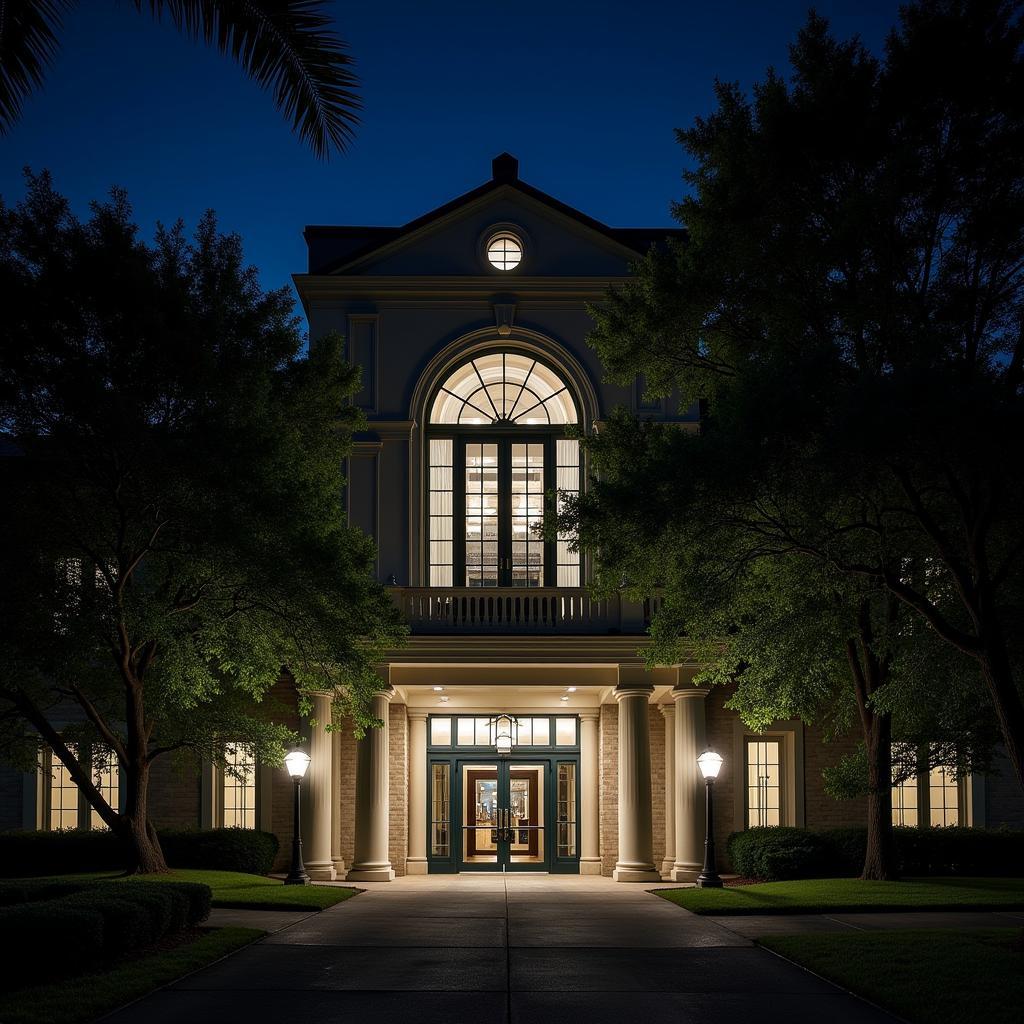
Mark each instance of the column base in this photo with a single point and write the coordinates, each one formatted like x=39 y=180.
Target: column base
x=321 y=871
x=684 y=872
x=374 y=873
x=635 y=873
x=416 y=866
x=666 y=867
x=590 y=867
x=339 y=866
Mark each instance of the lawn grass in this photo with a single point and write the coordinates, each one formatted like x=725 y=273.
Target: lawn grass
x=925 y=976
x=238 y=890
x=76 y=999
x=821 y=895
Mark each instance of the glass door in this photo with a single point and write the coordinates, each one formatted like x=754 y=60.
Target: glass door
x=503 y=816
x=503 y=485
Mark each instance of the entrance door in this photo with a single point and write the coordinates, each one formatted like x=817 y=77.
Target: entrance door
x=503 y=484
x=504 y=816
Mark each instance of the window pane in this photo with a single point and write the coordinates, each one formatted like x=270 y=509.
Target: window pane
x=483 y=732
x=466 y=732
x=527 y=515
x=943 y=797
x=764 y=782
x=481 y=520
x=567 y=473
x=239 y=783
x=565 y=732
x=440 y=504
x=440 y=808
x=63 y=793
x=904 y=794
x=541 y=732
x=106 y=776
x=566 y=810
x=441 y=731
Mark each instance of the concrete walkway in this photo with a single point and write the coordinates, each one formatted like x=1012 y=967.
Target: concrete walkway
x=502 y=949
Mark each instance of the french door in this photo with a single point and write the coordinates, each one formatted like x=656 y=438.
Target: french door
x=501 y=482
x=504 y=816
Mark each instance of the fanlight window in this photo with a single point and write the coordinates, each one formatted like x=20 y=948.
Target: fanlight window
x=504 y=388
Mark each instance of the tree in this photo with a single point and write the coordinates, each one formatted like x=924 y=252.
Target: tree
x=797 y=638
x=849 y=302
x=173 y=530
x=286 y=46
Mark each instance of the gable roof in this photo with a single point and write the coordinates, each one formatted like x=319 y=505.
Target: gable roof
x=331 y=247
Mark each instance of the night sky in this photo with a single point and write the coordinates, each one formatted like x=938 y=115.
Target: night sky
x=586 y=95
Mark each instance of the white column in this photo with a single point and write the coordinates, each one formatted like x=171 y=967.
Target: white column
x=336 y=857
x=590 y=794
x=668 y=712
x=636 y=844
x=372 y=860
x=416 y=863
x=319 y=788
x=691 y=740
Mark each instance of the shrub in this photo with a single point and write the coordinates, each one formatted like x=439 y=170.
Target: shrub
x=778 y=853
x=774 y=854
x=48 y=940
x=127 y=923
x=24 y=854
x=32 y=890
x=223 y=849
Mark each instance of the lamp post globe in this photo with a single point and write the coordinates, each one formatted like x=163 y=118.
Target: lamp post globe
x=710 y=764
x=297 y=761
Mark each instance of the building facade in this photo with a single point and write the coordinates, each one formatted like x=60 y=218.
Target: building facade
x=522 y=731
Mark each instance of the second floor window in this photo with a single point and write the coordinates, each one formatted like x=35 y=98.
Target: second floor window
x=497 y=447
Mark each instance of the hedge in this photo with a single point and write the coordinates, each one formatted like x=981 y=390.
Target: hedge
x=71 y=851
x=779 y=853
x=98 y=921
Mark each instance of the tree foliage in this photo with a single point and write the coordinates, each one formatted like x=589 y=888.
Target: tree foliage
x=285 y=46
x=173 y=532
x=848 y=303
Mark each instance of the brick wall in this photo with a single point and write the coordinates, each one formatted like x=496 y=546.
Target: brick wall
x=174 y=792
x=608 y=761
x=657 y=728
x=398 y=765
x=345 y=794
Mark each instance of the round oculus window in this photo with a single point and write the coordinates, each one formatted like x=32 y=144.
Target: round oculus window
x=504 y=251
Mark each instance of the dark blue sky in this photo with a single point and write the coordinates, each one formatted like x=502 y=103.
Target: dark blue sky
x=586 y=95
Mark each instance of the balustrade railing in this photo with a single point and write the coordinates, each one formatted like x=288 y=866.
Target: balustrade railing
x=517 y=610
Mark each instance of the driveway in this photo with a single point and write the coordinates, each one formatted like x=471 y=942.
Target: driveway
x=502 y=949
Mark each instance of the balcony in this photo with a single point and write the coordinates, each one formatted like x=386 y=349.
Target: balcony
x=508 y=610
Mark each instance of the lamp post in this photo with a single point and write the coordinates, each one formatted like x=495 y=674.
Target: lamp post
x=710 y=763
x=297 y=761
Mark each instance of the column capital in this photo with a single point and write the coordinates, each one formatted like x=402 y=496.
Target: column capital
x=387 y=692
x=667 y=710
x=632 y=690
x=682 y=692
x=417 y=714
x=589 y=714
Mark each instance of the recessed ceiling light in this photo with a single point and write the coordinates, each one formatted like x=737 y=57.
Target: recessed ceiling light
x=444 y=700
x=438 y=689
x=563 y=698
x=571 y=689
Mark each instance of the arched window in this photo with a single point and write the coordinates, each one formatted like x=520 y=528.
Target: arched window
x=496 y=449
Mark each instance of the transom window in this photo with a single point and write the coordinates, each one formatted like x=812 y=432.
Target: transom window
x=497 y=450
x=504 y=388
x=504 y=251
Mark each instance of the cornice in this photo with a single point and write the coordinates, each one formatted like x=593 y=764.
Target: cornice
x=448 y=290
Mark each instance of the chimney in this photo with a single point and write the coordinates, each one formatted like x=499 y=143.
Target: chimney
x=505 y=168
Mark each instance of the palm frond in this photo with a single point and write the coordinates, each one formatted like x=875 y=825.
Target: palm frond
x=289 y=48
x=28 y=44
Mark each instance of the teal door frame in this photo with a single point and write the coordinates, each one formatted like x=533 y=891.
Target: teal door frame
x=550 y=862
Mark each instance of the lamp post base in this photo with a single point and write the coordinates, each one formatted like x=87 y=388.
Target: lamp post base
x=709 y=882
x=297 y=880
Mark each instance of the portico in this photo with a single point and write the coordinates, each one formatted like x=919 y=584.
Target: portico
x=599 y=778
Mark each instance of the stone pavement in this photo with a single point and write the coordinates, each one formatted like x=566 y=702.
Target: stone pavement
x=502 y=949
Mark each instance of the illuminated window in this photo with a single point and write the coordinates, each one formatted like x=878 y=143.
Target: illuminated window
x=504 y=387
x=239 y=787
x=440 y=810
x=441 y=513
x=764 y=782
x=904 y=794
x=943 y=797
x=106 y=776
x=504 y=251
x=63 y=795
x=567 y=480
x=566 y=824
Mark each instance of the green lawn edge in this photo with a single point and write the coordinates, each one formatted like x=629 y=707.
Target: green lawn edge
x=926 y=976
x=235 y=890
x=852 y=895
x=80 y=999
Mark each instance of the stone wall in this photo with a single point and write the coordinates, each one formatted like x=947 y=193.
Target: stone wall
x=608 y=759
